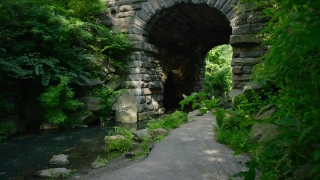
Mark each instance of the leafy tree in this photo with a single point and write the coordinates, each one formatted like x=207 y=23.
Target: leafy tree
x=43 y=40
x=218 y=70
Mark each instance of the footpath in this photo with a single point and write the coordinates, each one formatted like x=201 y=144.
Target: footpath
x=189 y=152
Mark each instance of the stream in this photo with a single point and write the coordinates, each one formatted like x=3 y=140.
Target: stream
x=27 y=153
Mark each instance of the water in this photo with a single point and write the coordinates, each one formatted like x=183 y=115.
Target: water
x=23 y=155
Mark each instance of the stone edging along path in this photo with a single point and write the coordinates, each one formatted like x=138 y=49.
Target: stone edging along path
x=188 y=152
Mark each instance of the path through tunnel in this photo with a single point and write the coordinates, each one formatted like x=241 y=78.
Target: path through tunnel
x=188 y=32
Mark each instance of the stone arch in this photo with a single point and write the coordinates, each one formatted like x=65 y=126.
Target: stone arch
x=163 y=47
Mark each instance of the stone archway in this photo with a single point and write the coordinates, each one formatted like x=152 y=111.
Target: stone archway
x=171 y=38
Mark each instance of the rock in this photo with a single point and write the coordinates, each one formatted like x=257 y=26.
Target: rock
x=93 y=82
x=129 y=155
x=158 y=132
x=97 y=165
x=115 y=137
x=79 y=126
x=87 y=118
x=60 y=159
x=250 y=86
x=266 y=112
x=140 y=134
x=47 y=125
x=90 y=103
x=54 y=172
x=126 y=107
x=263 y=132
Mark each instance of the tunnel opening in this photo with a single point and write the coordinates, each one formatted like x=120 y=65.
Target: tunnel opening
x=187 y=31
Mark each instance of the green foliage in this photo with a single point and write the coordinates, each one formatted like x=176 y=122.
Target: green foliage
x=107 y=97
x=168 y=122
x=292 y=65
x=145 y=145
x=58 y=100
x=5 y=129
x=200 y=100
x=252 y=101
x=220 y=116
x=119 y=144
x=237 y=139
x=43 y=40
x=218 y=70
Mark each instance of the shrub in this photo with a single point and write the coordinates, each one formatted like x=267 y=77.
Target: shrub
x=123 y=141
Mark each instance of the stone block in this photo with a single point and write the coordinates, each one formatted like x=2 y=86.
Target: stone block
x=237 y=69
x=143 y=15
x=135 y=64
x=157 y=97
x=162 y=3
x=170 y=3
x=147 y=91
x=122 y=24
x=161 y=110
x=145 y=115
x=242 y=77
x=141 y=107
x=156 y=84
x=141 y=99
x=139 y=22
x=126 y=107
x=60 y=159
x=228 y=6
x=131 y=84
x=125 y=14
x=241 y=19
x=125 y=8
x=145 y=77
x=134 y=77
x=136 y=37
x=210 y=2
x=155 y=5
x=148 y=9
x=135 y=29
x=244 y=61
x=137 y=91
x=244 y=39
x=238 y=84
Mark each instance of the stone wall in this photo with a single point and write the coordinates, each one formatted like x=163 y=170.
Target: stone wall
x=171 y=39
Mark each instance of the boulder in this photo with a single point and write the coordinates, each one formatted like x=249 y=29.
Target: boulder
x=193 y=114
x=87 y=118
x=126 y=107
x=60 y=159
x=264 y=131
x=140 y=134
x=266 y=112
x=158 y=132
x=54 y=172
x=91 y=103
x=97 y=165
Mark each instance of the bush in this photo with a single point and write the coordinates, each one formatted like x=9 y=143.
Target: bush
x=168 y=122
x=123 y=141
x=237 y=138
x=5 y=129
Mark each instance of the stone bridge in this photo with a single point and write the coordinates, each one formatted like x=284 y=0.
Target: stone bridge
x=171 y=39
